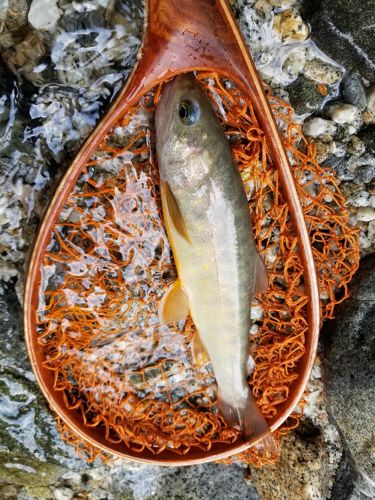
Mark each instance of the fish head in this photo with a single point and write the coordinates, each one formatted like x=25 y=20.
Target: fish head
x=187 y=133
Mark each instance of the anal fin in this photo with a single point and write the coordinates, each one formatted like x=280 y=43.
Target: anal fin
x=200 y=355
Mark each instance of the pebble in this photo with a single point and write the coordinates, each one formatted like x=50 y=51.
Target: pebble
x=366 y=214
x=359 y=199
x=290 y=26
x=63 y=494
x=295 y=62
x=343 y=113
x=368 y=117
x=353 y=90
x=44 y=14
x=304 y=95
x=365 y=173
x=322 y=72
x=319 y=127
x=339 y=149
x=323 y=150
x=356 y=147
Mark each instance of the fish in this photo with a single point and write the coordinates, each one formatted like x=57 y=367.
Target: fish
x=208 y=224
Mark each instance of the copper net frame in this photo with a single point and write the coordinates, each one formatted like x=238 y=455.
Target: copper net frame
x=335 y=249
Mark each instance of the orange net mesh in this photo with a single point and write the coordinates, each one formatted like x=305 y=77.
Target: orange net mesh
x=108 y=264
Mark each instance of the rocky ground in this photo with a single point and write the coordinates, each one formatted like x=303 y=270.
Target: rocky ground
x=62 y=63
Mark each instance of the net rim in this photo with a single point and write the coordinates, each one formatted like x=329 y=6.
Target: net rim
x=218 y=451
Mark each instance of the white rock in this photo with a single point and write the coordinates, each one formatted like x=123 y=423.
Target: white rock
x=322 y=72
x=257 y=313
x=360 y=199
x=44 y=14
x=366 y=214
x=295 y=62
x=316 y=127
x=344 y=113
x=63 y=494
x=339 y=149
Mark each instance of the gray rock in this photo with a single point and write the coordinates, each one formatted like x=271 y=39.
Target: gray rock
x=304 y=95
x=349 y=373
x=345 y=30
x=340 y=165
x=303 y=470
x=367 y=136
x=353 y=90
x=365 y=173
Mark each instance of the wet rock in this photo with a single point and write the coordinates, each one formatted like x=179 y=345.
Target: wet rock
x=304 y=95
x=348 y=369
x=322 y=72
x=44 y=14
x=319 y=127
x=340 y=166
x=365 y=174
x=366 y=214
x=356 y=146
x=367 y=136
x=323 y=150
x=290 y=26
x=9 y=97
x=353 y=90
x=256 y=26
x=304 y=469
x=343 y=113
x=295 y=62
x=345 y=31
x=13 y=17
x=24 y=57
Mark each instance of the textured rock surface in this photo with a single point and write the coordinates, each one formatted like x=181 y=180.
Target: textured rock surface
x=345 y=30
x=304 y=95
x=349 y=370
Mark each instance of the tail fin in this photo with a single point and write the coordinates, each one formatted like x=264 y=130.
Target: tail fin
x=249 y=419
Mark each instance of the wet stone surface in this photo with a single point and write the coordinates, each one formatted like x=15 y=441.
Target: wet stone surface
x=345 y=30
x=59 y=69
x=348 y=371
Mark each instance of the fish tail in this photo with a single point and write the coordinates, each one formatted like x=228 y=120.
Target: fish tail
x=249 y=419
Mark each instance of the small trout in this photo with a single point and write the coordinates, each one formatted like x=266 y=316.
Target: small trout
x=209 y=229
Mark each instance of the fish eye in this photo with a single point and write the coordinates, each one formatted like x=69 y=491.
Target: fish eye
x=189 y=112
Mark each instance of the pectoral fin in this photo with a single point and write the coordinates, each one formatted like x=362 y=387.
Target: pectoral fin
x=173 y=212
x=174 y=305
x=200 y=355
x=260 y=276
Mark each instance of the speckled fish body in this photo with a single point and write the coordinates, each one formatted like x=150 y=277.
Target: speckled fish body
x=209 y=228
